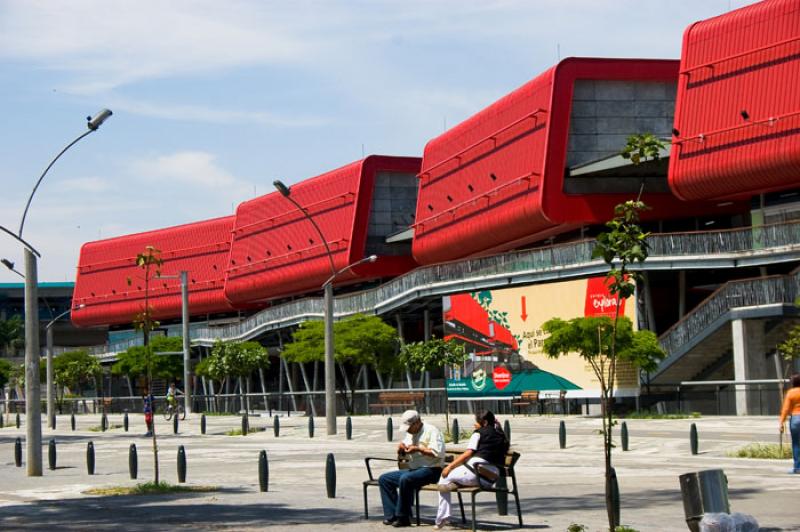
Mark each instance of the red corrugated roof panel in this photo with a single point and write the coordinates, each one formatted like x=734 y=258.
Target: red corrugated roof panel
x=105 y=265
x=276 y=251
x=738 y=106
x=496 y=181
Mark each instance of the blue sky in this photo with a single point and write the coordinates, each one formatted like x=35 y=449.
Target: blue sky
x=213 y=101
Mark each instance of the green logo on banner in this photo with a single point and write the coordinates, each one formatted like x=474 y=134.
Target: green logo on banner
x=478 y=380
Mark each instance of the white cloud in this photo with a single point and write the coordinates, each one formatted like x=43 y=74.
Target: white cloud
x=196 y=168
x=85 y=184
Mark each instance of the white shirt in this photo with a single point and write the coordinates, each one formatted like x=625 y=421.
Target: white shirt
x=428 y=437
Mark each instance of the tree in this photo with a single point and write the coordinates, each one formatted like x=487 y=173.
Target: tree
x=12 y=333
x=234 y=359
x=150 y=263
x=140 y=361
x=433 y=354
x=358 y=339
x=73 y=370
x=5 y=372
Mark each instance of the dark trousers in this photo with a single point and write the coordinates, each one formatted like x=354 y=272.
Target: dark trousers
x=406 y=482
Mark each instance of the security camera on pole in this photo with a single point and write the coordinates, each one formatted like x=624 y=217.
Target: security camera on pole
x=33 y=406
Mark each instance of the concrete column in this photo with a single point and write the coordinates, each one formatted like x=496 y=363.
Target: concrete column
x=749 y=362
x=681 y=294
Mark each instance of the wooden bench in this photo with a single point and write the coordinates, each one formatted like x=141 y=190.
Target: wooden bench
x=503 y=486
x=527 y=399
x=398 y=399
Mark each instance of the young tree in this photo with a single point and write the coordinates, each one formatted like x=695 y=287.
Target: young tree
x=150 y=263
x=5 y=372
x=73 y=370
x=12 y=334
x=234 y=359
x=433 y=354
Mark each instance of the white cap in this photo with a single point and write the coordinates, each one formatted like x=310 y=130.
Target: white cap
x=408 y=418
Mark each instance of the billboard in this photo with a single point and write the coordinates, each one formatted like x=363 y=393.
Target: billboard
x=502 y=331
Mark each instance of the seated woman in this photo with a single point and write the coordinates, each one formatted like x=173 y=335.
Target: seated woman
x=485 y=455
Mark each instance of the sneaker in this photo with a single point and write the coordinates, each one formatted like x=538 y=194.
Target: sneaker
x=450 y=486
x=793 y=472
x=441 y=526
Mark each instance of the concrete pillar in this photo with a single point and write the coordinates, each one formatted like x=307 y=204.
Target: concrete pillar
x=681 y=294
x=749 y=363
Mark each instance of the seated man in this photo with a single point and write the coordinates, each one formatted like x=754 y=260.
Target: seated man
x=423 y=446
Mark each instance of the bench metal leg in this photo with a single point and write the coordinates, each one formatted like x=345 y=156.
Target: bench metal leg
x=366 y=510
x=516 y=499
x=461 y=505
x=474 y=526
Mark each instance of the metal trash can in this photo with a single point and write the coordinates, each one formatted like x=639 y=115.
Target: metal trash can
x=703 y=492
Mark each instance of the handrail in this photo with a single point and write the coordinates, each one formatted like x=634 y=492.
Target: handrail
x=493 y=137
x=490 y=192
x=771 y=121
x=265 y=221
x=171 y=254
x=573 y=259
x=711 y=64
x=302 y=251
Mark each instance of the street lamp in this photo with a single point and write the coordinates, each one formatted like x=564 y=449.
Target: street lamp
x=51 y=396
x=330 y=369
x=187 y=384
x=33 y=400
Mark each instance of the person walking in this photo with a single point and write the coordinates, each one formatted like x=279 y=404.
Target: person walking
x=791 y=410
x=148 y=401
x=423 y=447
x=480 y=463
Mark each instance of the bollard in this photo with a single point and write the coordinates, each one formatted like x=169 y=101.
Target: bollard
x=348 y=428
x=288 y=413
x=245 y=425
x=103 y=423
x=175 y=423
x=133 y=461
x=51 y=454
x=18 y=422
x=18 y=452
x=276 y=426
x=1 y=420
x=562 y=435
x=203 y=424
x=72 y=421
x=624 y=436
x=125 y=422
x=454 y=431
x=311 y=427
x=330 y=476
x=263 y=471
x=507 y=430
x=614 y=492
x=389 y=429
x=693 y=438
x=90 y=458
x=54 y=422
x=501 y=496
x=181 y=465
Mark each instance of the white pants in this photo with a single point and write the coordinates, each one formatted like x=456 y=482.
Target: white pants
x=461 y=476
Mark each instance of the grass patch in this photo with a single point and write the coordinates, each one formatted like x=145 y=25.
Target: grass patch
x=99 y=428
x=238 y=432
x=218 y=414
x=646 y=414
x=149 y=488
x=763 y=450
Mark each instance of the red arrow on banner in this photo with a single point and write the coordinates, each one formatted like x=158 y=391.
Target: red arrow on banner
x=524 y=315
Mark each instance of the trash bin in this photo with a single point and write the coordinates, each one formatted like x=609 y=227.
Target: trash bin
x=703 y=492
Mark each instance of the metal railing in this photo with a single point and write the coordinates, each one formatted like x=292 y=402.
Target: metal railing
x=572 y=259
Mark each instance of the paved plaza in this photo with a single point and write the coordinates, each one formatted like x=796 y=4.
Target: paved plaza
x=558 y=487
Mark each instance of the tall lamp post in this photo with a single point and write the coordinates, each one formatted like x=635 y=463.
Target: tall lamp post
x=51 y=395
x=330 y=369
x=187 y=383
x=33 y=400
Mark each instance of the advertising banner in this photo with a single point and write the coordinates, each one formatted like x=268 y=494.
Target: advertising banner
x=502 y=331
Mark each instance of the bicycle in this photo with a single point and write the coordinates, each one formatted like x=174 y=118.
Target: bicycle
x=177 y=410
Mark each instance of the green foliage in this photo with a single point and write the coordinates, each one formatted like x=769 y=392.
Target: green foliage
x=591 y=338
x=150 y=262
x=435 y=353
x=357 y=340
x=575 y=527
x=763 y=450
x=233 y=359
x=624 y=242
x=623 y=528
x=12 y=333
x=6 y=369
x=639 y=148
x=74 y=369
x=238 y=432
x=790 y=348
x=148 y=488
x=141 y=361
x=17 y=376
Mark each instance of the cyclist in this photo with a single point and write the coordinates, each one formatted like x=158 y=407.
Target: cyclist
x=172 y=394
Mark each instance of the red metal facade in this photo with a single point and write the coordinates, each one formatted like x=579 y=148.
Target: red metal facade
x=738 y=106
x=104 y=266
x=495 y=181
x=276 y=251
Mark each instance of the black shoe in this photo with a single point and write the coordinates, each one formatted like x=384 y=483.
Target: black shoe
x=400 y=523
x=389 y=521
